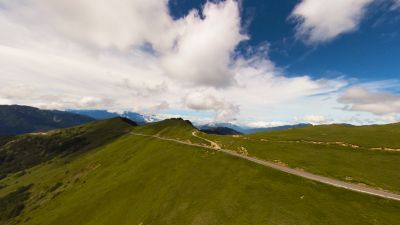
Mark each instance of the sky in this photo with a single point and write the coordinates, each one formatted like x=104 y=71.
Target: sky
x=257 y=63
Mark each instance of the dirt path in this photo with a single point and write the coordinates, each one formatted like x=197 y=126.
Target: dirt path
x=307 y=175
x=338 y=143
x=213 y=144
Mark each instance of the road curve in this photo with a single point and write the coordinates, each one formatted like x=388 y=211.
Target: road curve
x=307 y=175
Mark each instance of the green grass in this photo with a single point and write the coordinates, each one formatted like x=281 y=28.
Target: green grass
x=135 y=180
x=5 y=139
x=176 y=128
x=13 y=203
x=375 y=168
x=367 y=136
x=24 y=151
x=143 y=180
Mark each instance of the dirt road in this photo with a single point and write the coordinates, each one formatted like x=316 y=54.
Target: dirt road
x=310 y=176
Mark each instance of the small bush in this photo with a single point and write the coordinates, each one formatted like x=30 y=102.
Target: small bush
x=13 y=204
x=55 y=186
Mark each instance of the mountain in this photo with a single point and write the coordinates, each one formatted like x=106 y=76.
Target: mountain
x=96 y=114
x=251 y=130
x=176 y=128
x=368 y=155
x=104 y=114
x=285 y=127
x=24 y=151
x=220 y=131
x=240 y=129
x=151 y=174
x=16 y=119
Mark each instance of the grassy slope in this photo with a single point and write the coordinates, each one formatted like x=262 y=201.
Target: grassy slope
x=24 y=151
x=5 y=139
x=366 y=136
x=171 y=128
x=375 y=168
x=360 y=165
x=142 y=180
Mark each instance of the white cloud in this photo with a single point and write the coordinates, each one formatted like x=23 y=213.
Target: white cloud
x=315 y=119
x=379 y=103
x=265 y=124
x=323 y=20
x=201 y=101
x=203 y=48
x=96 y=22
x=131 y=55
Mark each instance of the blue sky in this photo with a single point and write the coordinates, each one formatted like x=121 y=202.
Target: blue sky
x=251 y=62
x=370 y=53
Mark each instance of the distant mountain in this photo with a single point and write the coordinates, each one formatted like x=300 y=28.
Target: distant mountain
x=220 y=130
x=286 y=127
x=96 y=114
x=251 y=130
x=16 y=119
x=104 y=114
x=239 y=129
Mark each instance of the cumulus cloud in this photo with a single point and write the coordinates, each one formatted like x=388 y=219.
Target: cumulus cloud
x=379 y=103
x=132 y=55
x=265 y=124
x=315 y=119
x=201 y=101
x=203 y=48
x=96 y=22
x=323 y=20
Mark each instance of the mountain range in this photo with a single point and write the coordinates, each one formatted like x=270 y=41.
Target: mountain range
x=247 y=129
x=219 y=130
x=116 y=172
x=16 y=119
x=104 y=114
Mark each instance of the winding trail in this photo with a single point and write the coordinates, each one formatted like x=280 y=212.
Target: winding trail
x=300 y=173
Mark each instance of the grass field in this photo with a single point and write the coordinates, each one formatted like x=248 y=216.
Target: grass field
x=176 y=128
x=24 y=151
x=374 y=136
x=144 y=180
x=374 y=168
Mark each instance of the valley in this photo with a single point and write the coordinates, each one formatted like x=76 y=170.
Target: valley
x=163 y=173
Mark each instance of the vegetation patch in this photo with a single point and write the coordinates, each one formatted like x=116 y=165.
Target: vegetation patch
x=26 y=151
x=375 y=168
x=12 y=204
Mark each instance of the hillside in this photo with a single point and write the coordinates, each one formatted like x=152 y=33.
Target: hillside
x=220 y=131
x=24 y=151
x=171 y=128
x=374 y=136
x=15 y=119
x=144 y=180
x=366 y=155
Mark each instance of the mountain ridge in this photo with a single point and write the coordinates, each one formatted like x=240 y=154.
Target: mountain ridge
x=219 y=130
x=100 y=114
x=17 y=119
x=135 y=179
x=251 y=130
x=24 y=151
